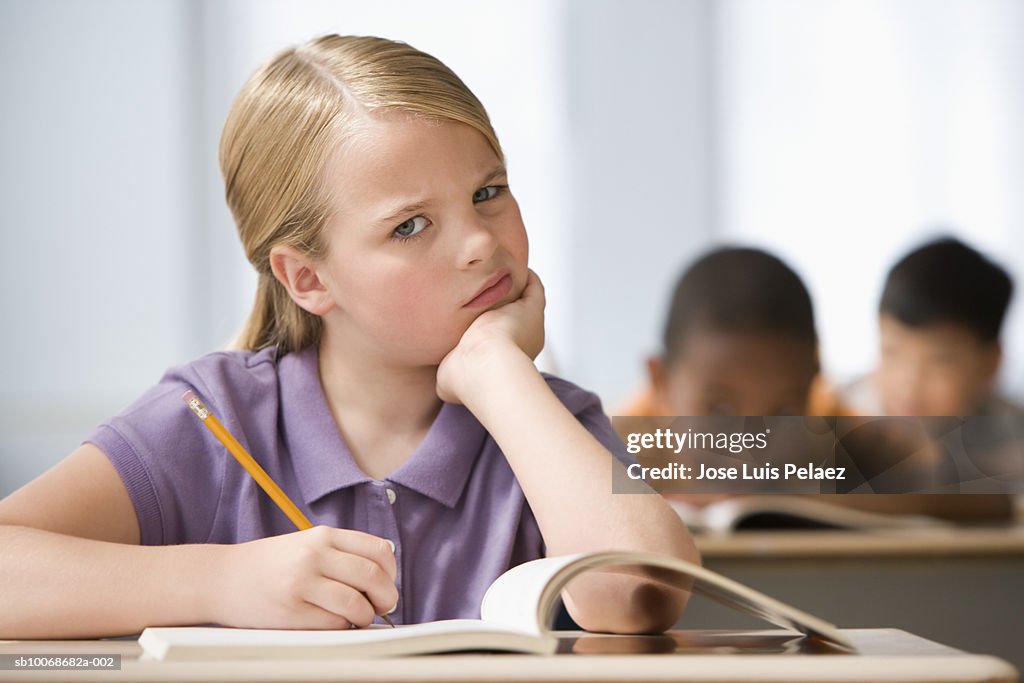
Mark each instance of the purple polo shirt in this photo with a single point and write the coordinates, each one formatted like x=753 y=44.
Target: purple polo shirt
x=454 y=509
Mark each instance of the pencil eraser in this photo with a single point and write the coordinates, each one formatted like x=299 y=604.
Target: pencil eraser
x=188 y=396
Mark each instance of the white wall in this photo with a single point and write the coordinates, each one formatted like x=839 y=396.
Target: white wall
x=641 y=195
x=95 y=218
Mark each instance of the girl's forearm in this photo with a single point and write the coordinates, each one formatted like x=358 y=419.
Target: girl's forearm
x=566 y=475
x=57 y=586
x=564 y=471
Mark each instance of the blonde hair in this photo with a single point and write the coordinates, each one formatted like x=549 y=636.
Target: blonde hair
x=283 y=125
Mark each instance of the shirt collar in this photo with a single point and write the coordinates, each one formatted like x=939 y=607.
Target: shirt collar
x=439 y=467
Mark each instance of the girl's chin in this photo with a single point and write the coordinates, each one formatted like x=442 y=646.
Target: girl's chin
x=440 y=352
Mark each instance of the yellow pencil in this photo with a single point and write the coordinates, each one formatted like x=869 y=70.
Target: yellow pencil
x=251 y=466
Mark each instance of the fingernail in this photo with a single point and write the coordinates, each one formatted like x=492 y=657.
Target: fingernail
x=393 y=609
x=392 y=544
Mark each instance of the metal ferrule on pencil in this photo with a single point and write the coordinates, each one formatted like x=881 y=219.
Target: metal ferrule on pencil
x=197 y=406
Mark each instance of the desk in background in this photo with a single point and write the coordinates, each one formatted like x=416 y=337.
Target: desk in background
x=884 y=655
x=962 y=587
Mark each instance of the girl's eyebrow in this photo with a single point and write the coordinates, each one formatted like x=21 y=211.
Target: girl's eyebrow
x=496 y=172
x=392 y=217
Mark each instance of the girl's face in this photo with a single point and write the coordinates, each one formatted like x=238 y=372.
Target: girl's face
x=424 y=237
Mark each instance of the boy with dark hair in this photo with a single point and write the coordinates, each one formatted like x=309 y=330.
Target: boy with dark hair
x=739 y=340
x=940 y=318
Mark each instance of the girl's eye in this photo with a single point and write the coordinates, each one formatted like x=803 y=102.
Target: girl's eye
x=485 y=193
x=410 y=227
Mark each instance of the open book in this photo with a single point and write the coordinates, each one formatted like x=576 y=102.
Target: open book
x=791 y=512
x=517 y=613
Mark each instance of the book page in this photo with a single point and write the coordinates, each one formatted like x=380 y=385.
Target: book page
x=517 y=598
x=523 y=597
x=727 y=515
x=378 y=640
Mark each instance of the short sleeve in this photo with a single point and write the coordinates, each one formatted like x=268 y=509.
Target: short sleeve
x=166 y=460
x=587 y=408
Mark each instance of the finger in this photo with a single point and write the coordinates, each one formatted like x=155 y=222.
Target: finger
x=364 y=576
x=534 y=287
x=533 y=280
x=310 y=616
x=374 y=548
x=343 y=601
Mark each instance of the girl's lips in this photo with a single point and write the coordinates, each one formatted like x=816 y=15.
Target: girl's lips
x=492 y=294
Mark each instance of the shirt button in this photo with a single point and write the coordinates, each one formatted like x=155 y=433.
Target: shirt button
x=391 y=495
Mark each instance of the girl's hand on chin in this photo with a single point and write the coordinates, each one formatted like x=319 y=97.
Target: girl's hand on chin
x=516 y=328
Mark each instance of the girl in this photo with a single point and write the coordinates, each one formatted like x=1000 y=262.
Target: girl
x=386 y=383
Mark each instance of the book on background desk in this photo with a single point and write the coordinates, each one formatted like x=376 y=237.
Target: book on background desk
x=779 y=511
x=516 y=616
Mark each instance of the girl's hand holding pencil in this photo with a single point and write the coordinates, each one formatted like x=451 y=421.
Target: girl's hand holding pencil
x=333 y=578
x=319 y=578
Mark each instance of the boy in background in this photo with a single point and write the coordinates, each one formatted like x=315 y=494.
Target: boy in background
x=940 y=319
x=739 y=340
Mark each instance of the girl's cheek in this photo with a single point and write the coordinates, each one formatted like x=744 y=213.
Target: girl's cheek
x=523 y=246
x=516 y=244
x=514 y=233
x=411 y=293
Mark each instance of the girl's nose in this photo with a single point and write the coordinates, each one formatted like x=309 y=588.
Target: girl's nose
x=477 y=242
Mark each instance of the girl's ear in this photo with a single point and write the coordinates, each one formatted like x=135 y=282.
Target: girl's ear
x=297 y=273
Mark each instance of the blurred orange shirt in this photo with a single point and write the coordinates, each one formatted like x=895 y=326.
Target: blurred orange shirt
x=822 y=400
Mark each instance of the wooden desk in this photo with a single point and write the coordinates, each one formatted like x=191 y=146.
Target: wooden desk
x=883 y=655
x=963 y=587
x=921 y=543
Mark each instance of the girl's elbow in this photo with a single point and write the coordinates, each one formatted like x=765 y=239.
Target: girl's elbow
x=647 y=608
x=655 y=608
